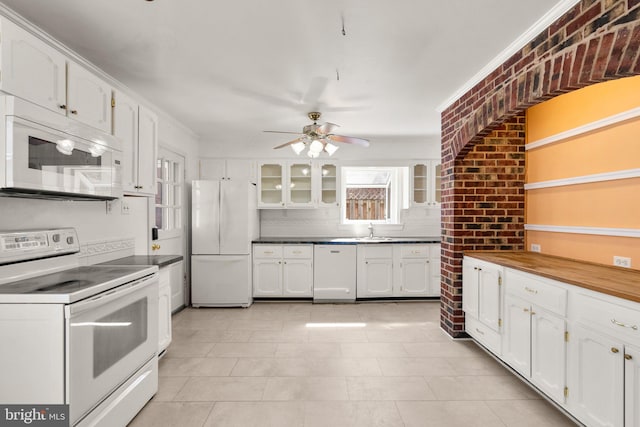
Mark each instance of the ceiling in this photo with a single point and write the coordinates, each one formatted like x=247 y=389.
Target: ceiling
x=230 y=69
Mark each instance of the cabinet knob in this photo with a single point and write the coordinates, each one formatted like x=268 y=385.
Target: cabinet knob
x=62 y=107
x=614 y=350
x=526 y=310
x=74 y=111
x=628 y=357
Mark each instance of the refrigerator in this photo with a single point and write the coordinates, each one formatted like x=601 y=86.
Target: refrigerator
x=224 y=222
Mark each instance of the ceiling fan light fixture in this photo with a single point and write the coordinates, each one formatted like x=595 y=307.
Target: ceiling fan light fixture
x=312 y=154
x=330 y=148
x=316 y=146
x=298 y=147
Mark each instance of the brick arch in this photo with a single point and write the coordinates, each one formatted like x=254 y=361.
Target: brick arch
x=483 y=131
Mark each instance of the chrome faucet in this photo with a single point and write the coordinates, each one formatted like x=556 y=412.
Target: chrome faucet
x=370 y=227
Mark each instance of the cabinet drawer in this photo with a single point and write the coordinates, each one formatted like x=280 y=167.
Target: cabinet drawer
x=541 y=293
x=415 y=251
x=267 y=251
x=298 y=251
x=374 y=251
x=483 y=334
x=619 y=319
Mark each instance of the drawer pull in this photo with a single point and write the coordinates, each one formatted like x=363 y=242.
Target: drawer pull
x=614 y=350
x=531 y=291
x=335 y=252
x=615 y=322
x=479 y=331
x=628 y=357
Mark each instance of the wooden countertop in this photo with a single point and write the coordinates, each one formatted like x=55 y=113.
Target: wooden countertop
x=617 y=281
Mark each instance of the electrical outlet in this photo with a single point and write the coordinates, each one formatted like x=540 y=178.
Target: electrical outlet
x=124 y=207
x=535 y=247
x=621 y=261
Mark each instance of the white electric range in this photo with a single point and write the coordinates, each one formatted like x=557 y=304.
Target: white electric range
x=85 y=336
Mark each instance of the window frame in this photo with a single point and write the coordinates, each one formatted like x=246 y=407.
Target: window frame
x=173 y=181
x=394 y=203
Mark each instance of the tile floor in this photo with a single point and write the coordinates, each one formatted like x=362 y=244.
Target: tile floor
x=379 y=364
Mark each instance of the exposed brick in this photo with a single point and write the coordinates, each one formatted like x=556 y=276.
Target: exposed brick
x=589 y=59
x=581 y=21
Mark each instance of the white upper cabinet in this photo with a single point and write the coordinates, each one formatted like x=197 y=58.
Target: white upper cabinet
x=147 y=150
x=125 y=127
x=31 y=69
x=328 y=184
x=299 y=189
x=88 y=98
x=271 y=185
x=227 y=169
x=425 y=183
x=35 y=71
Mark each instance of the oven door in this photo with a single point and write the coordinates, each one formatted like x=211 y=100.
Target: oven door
x=110 y=336
x=40 y=158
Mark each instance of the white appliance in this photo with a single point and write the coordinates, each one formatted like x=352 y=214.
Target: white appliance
x=334 y=273
x=48 y=155
x=85 y=336
x=224 y=222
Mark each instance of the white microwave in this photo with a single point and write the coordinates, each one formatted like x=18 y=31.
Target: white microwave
x=48 y=155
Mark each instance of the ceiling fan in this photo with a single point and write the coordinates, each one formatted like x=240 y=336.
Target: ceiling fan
x=319 y=138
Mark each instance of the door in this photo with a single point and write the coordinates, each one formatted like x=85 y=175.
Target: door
x=517 y=335
x=329 y=183
x=377 y=278
x=548 y=353
x=434 y=262
x=164 y=310
x=267 y=277
x=631 y=386
x=88 y=98
x=235 y=222
x=297 y=278
x=221 y=280
x=147 y=150
x=205 y=217
x=31 y=69
x=271 y=185
x=125 y=127
x=470 y=289
x=489 y=285
x=176 y=280
x=414 y=276
x=596 y=376
x=300 y=192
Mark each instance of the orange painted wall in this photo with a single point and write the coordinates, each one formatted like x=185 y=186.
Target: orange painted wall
x=609 y=204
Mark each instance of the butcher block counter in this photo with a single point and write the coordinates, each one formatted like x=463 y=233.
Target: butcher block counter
x=616 y=281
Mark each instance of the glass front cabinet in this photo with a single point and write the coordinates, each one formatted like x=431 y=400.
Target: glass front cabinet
x=329 y=184
x=299 y=188
x=425 y=183
x=271 y=185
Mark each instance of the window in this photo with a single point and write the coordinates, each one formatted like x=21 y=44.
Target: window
x=169 y=192
x=371 y=194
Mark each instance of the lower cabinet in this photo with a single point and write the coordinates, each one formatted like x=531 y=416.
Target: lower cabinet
x=283 y=271
x=398 y=270
x=176 y=275
x=164 y=310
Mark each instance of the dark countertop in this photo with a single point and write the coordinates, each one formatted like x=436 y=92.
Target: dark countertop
x=342 y=240
x=159 y=260
x=617 y=281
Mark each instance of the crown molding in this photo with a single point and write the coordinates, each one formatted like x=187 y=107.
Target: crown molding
x=540 y=25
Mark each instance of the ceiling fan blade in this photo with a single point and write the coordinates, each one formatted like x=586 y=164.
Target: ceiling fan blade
x=280 y=131
x=288 y=143
x=326 y=128
x=349 y=140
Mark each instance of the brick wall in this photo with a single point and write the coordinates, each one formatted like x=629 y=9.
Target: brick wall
x=597 y=40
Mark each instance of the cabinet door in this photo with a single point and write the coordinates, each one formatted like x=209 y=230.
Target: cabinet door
x=517 y=334
x=435 y=174
x=415 y=274
x=631 y=386
x=271 y=185
x=177 y=285
x=31 y=69
x=125 y=127
x=211 y=169
x=88 y=98
x=164 y=311
x=596 y=375
x=420 y=181
x=300 y=192
x=376 y=279
x=470 y=289
x=489 y=286
x=267 y=278
x=147 y=151
x=240 y=169
x=297 y=278
x=548 y=353
x=329 y=185
x=434 y=282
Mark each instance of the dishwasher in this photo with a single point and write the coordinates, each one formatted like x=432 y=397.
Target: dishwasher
x=334 y=273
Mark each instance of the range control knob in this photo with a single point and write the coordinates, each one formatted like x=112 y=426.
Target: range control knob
x=70 y=240
x=55 y=238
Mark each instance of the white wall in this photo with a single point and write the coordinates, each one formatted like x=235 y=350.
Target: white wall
x=383 y=151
